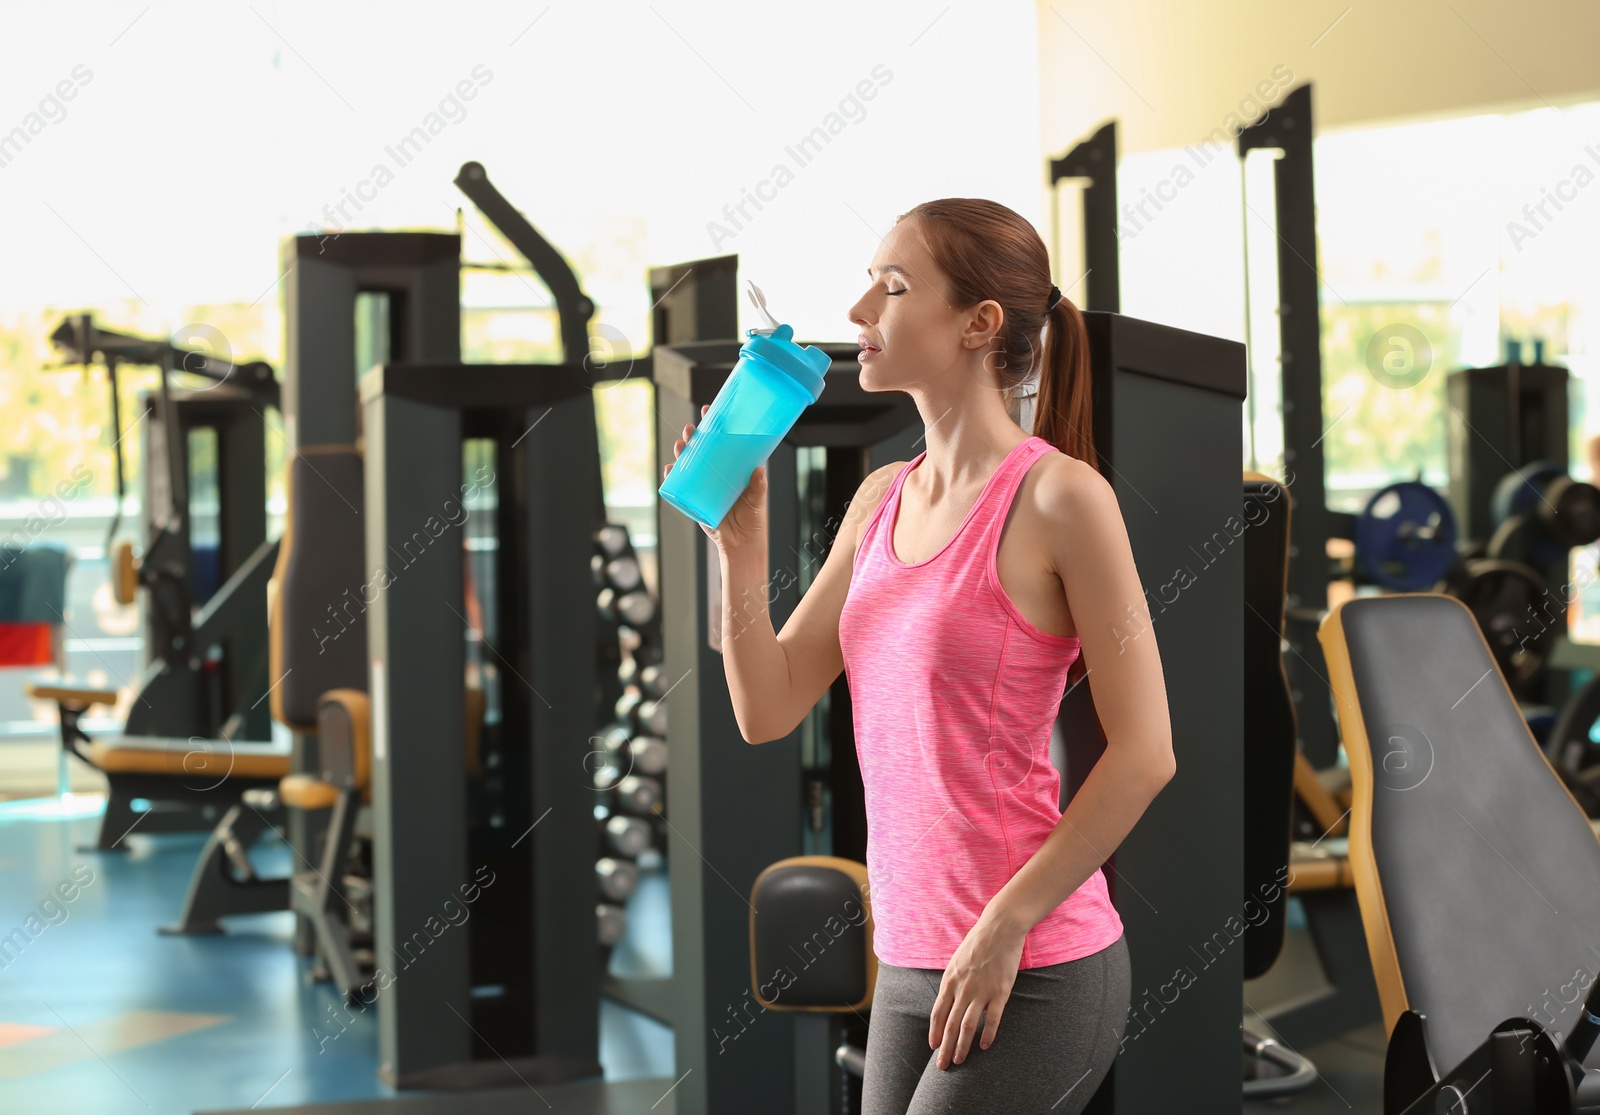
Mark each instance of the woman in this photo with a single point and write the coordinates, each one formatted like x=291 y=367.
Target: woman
x=962 y=589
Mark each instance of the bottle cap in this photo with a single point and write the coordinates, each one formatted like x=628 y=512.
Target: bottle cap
x=807 y=366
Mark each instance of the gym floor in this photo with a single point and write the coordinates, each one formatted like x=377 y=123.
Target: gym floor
x=1350 y=1067
x=100 y=1013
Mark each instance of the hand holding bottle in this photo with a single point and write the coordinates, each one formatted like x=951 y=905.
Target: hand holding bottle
x=746 y=520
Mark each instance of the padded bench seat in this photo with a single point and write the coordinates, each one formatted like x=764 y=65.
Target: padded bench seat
x=73 y=696
x=307 y=791
x=151 y=755
x=189 y=783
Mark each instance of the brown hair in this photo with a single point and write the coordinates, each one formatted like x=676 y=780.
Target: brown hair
x=991 y=252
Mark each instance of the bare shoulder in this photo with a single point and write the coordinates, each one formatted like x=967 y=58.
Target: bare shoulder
x=1071 y=490
x=1076 y=512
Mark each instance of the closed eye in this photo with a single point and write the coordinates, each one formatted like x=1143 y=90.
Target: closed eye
x=894 y=292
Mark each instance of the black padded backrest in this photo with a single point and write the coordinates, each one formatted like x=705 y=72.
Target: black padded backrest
x=1270 y=729
x=1478 y=875
x=811 y=936
x=319 y=626
x=344 y=738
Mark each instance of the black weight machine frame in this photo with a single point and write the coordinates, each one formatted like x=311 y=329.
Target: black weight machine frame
x=521 y=972
x=205 y=670
x=1095 y=159
x=414 y=275
x=1332 y=915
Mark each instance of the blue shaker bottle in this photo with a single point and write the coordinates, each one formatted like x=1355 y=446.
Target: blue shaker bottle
x=773 y=381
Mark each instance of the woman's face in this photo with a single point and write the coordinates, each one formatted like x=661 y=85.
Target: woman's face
x=909 y=331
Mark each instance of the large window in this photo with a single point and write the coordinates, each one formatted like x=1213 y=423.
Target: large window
x=1438 y=243
x=59 y=419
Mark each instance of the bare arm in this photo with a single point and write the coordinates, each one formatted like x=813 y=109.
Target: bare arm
x=1092 y=556
x=775 y=679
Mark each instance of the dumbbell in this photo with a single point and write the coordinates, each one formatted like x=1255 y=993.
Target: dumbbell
x=643 y=665
x=652 y=680
x=611 y=539
x=629 y=639
x=618 y=878
x=636 y=608
x=627 y=708
x=613 y=739
x=638 y=794
x=622 y=573
x=611 y=923
x=628 y=836
x=607 y=775
x=628 y=671
x=651 y=717
x=649 y=754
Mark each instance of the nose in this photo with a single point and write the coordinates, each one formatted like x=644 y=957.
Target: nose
x=858 y=313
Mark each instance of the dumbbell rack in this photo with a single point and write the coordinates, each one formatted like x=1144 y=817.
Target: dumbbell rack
x=629 y=755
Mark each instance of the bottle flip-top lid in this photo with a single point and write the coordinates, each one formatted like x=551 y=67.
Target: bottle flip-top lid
x=807 y=366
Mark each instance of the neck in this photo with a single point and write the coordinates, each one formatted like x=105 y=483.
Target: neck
x=968 y=435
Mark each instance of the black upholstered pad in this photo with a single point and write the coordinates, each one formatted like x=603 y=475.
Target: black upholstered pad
x=1269 y=722
x=319 y=618
x=1483 y=872
x=811 y=935
x=344 y=738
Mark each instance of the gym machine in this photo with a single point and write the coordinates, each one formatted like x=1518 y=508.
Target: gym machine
x=520 y=973
x=1519 y=527
x=197 y=733
x=365 y=273
x=1332 y=912
x=1288 y=129
x=1319 y=876
x=500 y=601
x=1495 y=999
x=1519 y=585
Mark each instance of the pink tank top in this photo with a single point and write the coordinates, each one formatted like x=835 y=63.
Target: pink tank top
x=954 y=696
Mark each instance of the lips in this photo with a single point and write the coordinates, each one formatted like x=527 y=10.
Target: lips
x=868 y=349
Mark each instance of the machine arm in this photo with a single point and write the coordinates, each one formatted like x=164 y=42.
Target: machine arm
x=572 y=306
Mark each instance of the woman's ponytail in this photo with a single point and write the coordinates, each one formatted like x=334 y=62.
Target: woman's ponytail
x=1064 y=411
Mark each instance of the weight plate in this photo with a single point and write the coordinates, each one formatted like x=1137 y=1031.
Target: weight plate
x=1510 y=602
x=1572 y=511
x=1406 y=537
x=1523 y=489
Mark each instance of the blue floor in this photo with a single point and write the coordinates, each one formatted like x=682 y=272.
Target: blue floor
x=138 y=1022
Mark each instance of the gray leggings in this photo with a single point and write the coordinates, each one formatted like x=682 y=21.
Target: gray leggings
x=1059 y=1033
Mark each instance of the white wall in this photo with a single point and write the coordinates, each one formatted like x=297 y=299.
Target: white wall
x=1172 y=72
